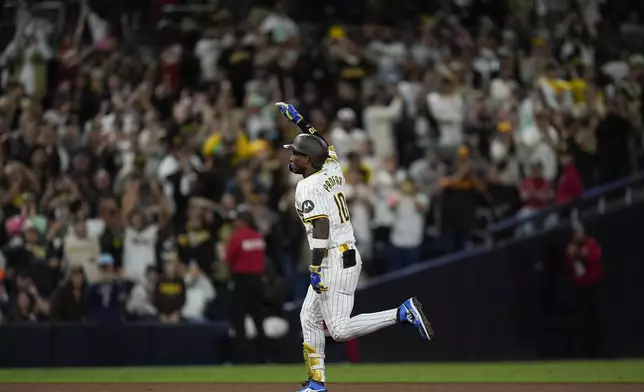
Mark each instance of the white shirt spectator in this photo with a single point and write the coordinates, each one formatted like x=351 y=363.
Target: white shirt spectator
x=99 y=30
x=379 y=122
x=552 y=96
x=389 y=56
x=486 y=64
x=168 y=166
x=208 y=51
x=408 y=230
x=410 y=92
x=346 y=138
x=139 y=251
x=425 y=52
x=616 y=69
x=199 y=292
x=501 y=90
x=385 y=184
x=140 y=300
x=280 y=26
x=448 y=111
x=509 y=172
x=25 y=53
x=534 y=147
x=82 y=251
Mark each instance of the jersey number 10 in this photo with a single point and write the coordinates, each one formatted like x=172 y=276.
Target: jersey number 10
x=341 y=203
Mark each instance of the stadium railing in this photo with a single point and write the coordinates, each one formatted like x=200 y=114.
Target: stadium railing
x=594 y=200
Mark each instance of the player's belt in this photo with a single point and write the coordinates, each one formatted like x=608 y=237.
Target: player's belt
x=344 y=247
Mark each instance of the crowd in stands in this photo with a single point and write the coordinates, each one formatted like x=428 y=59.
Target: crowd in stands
x=127 y=151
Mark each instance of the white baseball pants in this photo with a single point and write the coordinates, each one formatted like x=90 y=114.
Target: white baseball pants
x=335 y=305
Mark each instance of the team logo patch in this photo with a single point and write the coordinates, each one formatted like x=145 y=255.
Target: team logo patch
x=307 y=206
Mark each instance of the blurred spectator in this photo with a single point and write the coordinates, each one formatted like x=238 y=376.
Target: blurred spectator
x=385 y=185
x=614 y=137
x=583 y=261
x=388 y=53
x=503 y=197
x=447 y=108
x=196 y=242
x=26 y=255
x=29 y=53
x=380 y=117
x=29 y=306
x=360 y=202
x=581 y=143
x=426 y=171
x=82 y=250
x=245 y=255
x=106 y=297
x=291 y=266
x=142 y=202
x=409 y=207
x=570 y=186
x=208 y=50
x=346 y=137
x=459 y=194
x=69 y=301
x=170 y=292
x=536 y=193
x=140 y=303
x=199 y=293
x=24 y=310
x=538 y=142
x=277 y=23
x=112 y=235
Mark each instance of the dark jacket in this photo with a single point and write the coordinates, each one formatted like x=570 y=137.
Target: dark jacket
x=106 y=302
x=66 y=307
x=170 y=295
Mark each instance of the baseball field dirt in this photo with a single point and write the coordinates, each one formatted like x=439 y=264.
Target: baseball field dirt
x=188 y=387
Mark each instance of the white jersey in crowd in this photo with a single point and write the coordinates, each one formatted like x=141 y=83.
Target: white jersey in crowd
x=321 y=195
x=139 y=251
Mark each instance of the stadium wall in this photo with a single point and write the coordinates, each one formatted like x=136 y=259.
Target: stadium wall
x=508 y=303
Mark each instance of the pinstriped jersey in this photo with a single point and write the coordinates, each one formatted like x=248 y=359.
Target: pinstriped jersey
x=320 y=196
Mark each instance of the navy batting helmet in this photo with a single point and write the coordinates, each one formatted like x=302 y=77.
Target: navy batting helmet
x=311 y=146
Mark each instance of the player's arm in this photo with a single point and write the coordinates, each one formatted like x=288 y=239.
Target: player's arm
x=320 y=242
x=315 y=210
x=296 y=118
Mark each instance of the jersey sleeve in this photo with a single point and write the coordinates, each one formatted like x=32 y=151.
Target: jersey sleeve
x=313 y=203
x=332 y=164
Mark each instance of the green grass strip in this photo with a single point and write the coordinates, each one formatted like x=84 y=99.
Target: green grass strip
x=538 y=372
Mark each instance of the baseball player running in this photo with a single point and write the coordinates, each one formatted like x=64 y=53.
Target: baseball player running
x=335 y=262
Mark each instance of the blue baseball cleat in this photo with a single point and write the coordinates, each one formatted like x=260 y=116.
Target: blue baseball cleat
x=313 y=386
x=411 y=312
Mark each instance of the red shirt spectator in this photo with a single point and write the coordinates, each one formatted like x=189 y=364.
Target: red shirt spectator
x=536 y=191
x=171 y=68
x=246 y=248
x=570 y=186
x=584 y=261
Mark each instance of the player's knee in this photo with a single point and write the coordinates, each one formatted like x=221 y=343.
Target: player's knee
x=339 y=333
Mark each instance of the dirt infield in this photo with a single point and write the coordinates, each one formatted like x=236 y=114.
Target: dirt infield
x=334 y=388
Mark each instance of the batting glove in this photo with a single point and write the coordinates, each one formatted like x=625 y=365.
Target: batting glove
x=316 y=279
x=289 y=112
